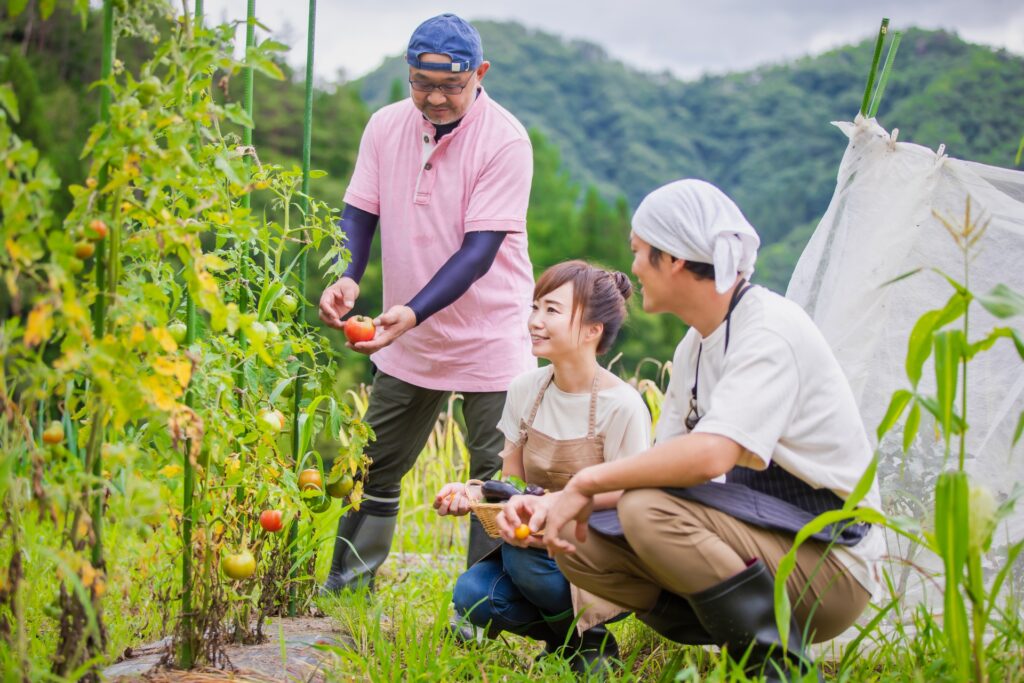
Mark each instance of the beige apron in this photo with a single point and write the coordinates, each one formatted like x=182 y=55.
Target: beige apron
x=550 y=463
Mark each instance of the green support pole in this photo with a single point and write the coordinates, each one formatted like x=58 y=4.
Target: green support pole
x=307 y=143
x=243 y=270
x=243 y=273
x=100 y=308
x=186 y=656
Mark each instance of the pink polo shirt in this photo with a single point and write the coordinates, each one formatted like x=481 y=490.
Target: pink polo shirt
x=428 y=196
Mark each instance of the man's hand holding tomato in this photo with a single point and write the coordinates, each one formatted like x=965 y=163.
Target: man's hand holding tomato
x=337 y=300
x=390 y=325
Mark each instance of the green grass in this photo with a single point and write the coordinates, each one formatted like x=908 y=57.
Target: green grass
x=400 y=632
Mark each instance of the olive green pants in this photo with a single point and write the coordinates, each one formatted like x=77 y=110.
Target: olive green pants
x=402 y=416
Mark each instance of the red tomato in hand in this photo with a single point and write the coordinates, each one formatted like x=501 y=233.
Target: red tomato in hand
x=270 y=520
x=359 y=328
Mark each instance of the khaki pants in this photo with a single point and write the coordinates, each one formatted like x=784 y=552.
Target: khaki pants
x=685 y=547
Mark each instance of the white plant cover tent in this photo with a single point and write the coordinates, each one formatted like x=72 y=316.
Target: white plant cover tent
x=880 y=224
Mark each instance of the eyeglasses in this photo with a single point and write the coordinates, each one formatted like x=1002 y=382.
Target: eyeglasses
x=445 y=88
x=692 y=418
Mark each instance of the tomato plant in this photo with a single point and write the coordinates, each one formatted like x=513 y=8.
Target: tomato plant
x=184 y=439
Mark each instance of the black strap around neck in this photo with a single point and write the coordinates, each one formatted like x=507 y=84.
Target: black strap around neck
x=741 y=288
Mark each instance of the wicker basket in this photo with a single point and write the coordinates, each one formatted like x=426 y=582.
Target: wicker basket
x=487 y=513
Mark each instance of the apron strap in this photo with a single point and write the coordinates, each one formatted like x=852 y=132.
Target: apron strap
x=536 y=406
x=592 y=424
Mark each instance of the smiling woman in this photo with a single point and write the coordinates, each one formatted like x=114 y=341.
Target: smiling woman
x=556 y=420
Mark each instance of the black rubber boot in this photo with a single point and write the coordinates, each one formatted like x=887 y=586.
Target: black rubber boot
x=740 y=613
x=672 y=616
x=360 y=548
x=480 y=544
x=591 y=653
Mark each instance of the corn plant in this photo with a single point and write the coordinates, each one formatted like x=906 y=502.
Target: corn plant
x=965 y=514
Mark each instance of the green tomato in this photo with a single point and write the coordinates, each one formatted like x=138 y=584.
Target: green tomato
x=341 y=487
x=272 y=330
x=178 y=331
x=257 y=332
x=149 y=88
x=239 y=566
x=288 y=303
x=316 y=500
x=288 y=390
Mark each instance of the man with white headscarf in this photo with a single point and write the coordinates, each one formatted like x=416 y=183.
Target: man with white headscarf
x=759 y=433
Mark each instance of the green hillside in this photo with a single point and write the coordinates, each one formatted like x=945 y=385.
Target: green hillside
x=764 y=136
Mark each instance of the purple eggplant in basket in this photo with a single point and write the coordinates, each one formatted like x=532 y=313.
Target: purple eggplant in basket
x=533 y=490
x=497 y=491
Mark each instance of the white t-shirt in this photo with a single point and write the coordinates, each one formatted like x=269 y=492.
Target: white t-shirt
x=622 y=416
x=780 y=394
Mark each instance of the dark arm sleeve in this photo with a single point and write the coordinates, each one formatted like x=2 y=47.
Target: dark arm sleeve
x=359 y=226
x=466 y=266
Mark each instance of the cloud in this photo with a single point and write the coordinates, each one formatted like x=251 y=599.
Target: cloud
x=686 y=37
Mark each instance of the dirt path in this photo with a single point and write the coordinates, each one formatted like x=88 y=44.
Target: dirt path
x=291 y=654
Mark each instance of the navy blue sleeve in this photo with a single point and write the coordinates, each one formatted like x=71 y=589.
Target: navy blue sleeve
x=466 y=266
x=359 y=226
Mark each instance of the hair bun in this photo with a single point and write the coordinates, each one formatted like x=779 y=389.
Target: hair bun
x=623 y=284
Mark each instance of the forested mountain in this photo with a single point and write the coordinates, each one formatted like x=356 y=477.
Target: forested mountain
x=604 y=134
x=764 y=136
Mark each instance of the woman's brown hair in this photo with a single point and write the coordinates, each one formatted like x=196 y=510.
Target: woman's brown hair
x=600 y=295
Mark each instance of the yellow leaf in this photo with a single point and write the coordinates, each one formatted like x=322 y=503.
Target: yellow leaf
x=171 y=367
x=16 y=252
x=88 y=574
x=138 y=335
x=214 y=262
x=165 y=339
x=40 y=325
x=207 y=283
x=170 y=471
x=159 y=393
x=12 y=282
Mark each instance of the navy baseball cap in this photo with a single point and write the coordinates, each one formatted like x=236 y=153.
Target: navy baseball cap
x=446 y=34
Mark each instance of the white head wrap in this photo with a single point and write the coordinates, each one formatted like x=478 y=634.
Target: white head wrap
x=695 y=221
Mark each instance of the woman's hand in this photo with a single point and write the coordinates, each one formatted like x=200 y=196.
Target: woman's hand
x=519 y=511
x=452 y=499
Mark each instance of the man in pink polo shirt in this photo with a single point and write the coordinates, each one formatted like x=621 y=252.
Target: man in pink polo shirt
x=447 y=175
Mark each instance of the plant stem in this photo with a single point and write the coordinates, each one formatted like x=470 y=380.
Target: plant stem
x=866 y=101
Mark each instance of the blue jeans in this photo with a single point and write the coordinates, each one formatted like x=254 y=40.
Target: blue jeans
x=519 y=590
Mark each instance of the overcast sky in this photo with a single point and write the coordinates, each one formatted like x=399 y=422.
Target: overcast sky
x=686 y=37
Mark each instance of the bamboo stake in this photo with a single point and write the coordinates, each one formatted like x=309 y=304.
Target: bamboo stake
x=243 y=271
x=102 y=287
x=307 y=140
x=186 y=658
